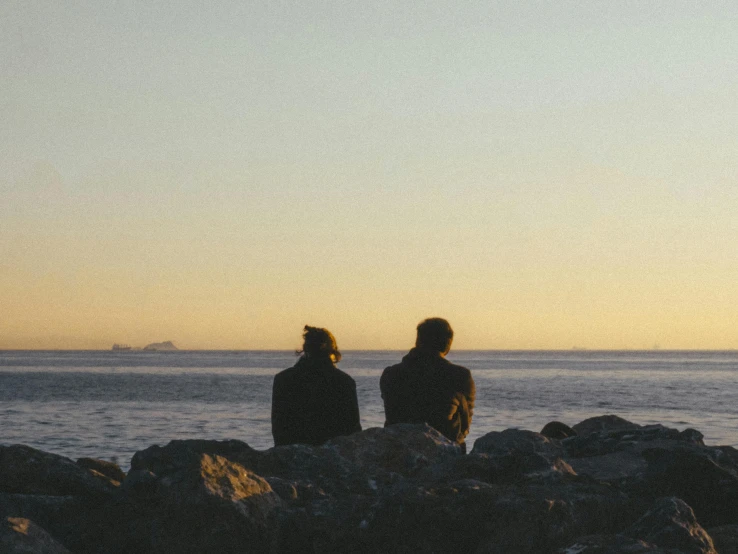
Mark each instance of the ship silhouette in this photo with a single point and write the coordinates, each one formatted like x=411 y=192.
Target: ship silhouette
x=117 y=346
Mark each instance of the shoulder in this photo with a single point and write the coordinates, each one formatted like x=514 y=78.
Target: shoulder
x=391 y=371
x=285 y=375
x=459 y=370
x=344 y=377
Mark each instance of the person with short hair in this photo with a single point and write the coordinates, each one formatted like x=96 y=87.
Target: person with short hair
x=314 y=401
x=426 y=387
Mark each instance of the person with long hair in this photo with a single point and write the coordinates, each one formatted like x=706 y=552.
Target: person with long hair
x=314 y=401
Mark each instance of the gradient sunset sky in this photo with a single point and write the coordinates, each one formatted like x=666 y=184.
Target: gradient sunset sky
x=541 y=174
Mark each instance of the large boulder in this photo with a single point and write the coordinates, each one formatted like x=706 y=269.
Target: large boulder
x=603 y=423
x=362 y=463
x=557 y=430
x=702 y=477
x=103 y=469
x=22 y=536
x=612 y=449
x=61 y=516
x=517 y=441
x=725 y=538
x=25 y=470
x=534 y=514
x=668 y=527
x=614 y=544
x=306 y=467
x=203 y=504
x=597 y=443
x=178 y=454
x=671 y=523
x=403 y=448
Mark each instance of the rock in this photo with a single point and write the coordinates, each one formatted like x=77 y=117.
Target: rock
x=725 y=538
x=557 y=430
x=614 y=544
x=517 y=440
x=200 y=504
x=692 y=436
x=669 y=526
x=615 y=467
x=103 y=468
x=671 y=523
x=511 y=468
x=598 y=443
x=603 y=423
x=140 y=482
x=694 y=475
x=61 y=516
x=403 y=448
x=652 y=461
x=306 y=467
x=25 y=470
x=22 y=536
x=183 y=453
x=360 y=463
x=534 y=515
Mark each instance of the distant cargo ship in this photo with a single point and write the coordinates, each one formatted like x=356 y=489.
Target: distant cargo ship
x=117 y=346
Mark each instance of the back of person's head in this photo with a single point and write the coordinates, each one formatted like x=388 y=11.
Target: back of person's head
x=320 y=343
x=435 y=334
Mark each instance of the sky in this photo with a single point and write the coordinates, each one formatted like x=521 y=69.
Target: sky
x=545 y=175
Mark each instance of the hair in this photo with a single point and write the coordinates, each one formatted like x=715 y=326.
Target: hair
x=435 y=333
x=319 y=343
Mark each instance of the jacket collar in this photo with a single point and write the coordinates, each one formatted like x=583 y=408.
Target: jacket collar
x=422 y=355
x=314 y=363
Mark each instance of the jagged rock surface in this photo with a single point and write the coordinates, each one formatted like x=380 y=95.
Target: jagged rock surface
x=613 y=487
x=22 y=536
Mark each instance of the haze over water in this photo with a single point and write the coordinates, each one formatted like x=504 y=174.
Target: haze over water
x=111 y=404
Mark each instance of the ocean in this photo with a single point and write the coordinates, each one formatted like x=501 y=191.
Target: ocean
x=108 y=405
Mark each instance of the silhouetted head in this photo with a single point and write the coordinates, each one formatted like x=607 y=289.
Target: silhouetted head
x=435 y=334
x=319 y=344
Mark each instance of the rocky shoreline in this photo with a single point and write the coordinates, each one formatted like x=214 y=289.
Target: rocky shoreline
x=607 y=486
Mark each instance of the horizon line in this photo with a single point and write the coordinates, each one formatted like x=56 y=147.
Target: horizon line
x=574 y=349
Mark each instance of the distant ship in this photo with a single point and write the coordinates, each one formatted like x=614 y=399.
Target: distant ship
x=117 y=347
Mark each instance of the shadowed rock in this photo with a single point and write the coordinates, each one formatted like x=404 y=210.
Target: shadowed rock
x=725 y=538
x=669 y=526
x=60 y=516
x=705 y=478
x=557 y=430
x=208 y=504
x=670 y=522
x=103 y=469
x=517 y=440
x=182 y=453
x=603 y=423
x=403 y=448
x=614 y=544
x=22 y=536
x=25 y=470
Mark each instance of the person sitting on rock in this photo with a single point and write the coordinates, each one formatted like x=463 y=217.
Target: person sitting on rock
x=427 y=388
x=314 y=401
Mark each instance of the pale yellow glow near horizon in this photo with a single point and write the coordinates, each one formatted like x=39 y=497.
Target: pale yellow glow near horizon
x=544 y=176
x=532 y=285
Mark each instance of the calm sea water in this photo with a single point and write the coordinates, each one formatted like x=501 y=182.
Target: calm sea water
x=111 y=404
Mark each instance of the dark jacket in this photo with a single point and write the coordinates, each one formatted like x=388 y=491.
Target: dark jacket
x=426 y=387
x=312 y=402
